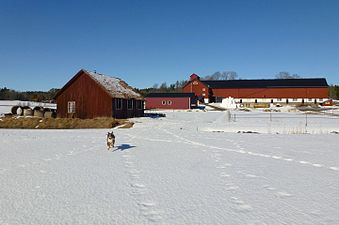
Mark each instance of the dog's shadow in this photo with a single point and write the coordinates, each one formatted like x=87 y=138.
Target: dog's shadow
x=124 y=147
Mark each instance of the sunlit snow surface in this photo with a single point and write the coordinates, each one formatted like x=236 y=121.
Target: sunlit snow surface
x=186 y=168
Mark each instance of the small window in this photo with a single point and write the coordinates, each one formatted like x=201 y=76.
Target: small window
x=256 y=101
x=286 y=100
x=130 y=104
x=240 y=101
x=203 y=89
x=169 y=102
x=139 y=104
x=118 y=103
x=310 y=99
x=279 y=99
x=271 y=100
x=163 y=102
x=71 y=107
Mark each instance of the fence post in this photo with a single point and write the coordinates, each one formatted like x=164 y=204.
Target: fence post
x=306 y=122
x=271 y=115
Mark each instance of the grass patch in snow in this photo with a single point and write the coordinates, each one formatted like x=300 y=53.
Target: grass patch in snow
x=62 y=123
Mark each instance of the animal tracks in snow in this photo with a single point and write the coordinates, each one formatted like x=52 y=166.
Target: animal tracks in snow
x=281 y=194
x=334 y=168
x=241 y=150
x=240 y=205
x=140 y=191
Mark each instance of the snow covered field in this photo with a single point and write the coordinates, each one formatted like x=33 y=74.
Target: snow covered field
x=186 y=168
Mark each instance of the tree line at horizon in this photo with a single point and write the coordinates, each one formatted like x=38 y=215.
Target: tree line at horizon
x=36 y=96
x=48 y=96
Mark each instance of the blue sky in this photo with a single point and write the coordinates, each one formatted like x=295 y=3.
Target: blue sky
x=44 y=43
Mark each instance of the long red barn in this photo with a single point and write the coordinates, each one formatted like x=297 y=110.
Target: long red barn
x=313 y=90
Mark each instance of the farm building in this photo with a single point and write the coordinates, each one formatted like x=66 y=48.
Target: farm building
x=170 y=101
x=90 y=94
x=284 y=91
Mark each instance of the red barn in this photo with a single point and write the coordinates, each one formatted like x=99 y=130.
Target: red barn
x=89 y=95
x=170 y=101
x=314 y=90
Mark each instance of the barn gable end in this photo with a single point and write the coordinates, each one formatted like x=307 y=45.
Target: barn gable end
x=90 y=95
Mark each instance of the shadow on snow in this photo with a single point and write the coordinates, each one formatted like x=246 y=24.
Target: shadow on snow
x=124 y=147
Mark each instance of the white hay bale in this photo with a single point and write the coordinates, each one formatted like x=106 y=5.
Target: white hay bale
x=19 y=111
x=38 y=113
x=49 y=114
x=28 y=112
x=14 y=109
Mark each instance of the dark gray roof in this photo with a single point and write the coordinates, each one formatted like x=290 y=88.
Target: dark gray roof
x=269 y=83
x=170 y=95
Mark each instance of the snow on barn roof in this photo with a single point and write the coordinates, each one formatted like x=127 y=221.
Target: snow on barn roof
x=114 y=86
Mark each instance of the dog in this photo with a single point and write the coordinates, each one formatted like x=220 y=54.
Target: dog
x=110 y=141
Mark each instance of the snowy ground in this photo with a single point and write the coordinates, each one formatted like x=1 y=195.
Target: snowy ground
x=186 y=168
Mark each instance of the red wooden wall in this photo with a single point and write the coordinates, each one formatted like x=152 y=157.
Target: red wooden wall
x=177 y=103
x=197 y=87
x=90 y=99
x=271 y=92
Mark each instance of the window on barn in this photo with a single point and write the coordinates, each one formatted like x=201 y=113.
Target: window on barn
x=71 y=107
x=139 y=104
x=169 y=102
x=286 y=100
x=130 y=104
x=279 y=100
x=240 y=101
x=271 y=100
x=256 y=101
x=118 y=103
x=310 y=99
x=163 y=102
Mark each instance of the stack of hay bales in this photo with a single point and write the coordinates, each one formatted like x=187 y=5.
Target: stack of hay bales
x=49 y=113
x=38 y=111
x=16 y=110
x=27 y=111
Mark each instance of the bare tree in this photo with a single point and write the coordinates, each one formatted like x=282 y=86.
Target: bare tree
x=286 y=75
x=224 y=75
x=163 y=86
